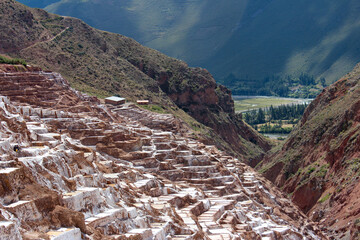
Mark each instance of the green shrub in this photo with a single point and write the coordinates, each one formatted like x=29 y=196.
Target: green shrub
x=12 y=60
x=311 y=169
x=322 y=171
x=326 y=197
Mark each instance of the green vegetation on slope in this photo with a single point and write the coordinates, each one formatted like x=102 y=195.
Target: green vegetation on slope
x=154 y=108
x=183 y=29
x=247 y=38
x=7 y=60
x=303 y=86
x=320 y=157
x=293 y=37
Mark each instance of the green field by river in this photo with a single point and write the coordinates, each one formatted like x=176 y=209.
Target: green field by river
x=246 y=103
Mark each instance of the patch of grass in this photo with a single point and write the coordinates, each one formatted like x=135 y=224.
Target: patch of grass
x=56 y=18
x=196 y=126
x=13 y=61
x=89 y=89
x=154 y=108
x=310 y=170
x=265 y=168
x=326 y=197
x=322 y=171
x=299 y=171
x=355 y=165
x=242 y=105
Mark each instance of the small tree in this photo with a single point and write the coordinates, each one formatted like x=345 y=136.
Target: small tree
x=260 y=118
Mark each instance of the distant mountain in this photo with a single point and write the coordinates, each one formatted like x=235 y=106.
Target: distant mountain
x=103 y=63
x=319 y=164
x=38 y=3
x=252 y=39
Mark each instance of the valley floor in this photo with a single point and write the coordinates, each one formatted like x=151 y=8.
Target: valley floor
x=247 y=103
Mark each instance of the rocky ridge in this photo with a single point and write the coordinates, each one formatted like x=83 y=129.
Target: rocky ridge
x=91 y=171
x=319 y=163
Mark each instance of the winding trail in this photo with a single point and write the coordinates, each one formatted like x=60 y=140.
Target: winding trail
x=48 y=40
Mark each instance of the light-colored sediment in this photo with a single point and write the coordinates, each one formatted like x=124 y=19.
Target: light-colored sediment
x=92 y=171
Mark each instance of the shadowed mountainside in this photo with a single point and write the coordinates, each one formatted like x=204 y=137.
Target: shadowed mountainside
x=251 y=39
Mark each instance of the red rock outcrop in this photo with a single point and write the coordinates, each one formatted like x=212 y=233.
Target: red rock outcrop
x=319 y=163
x=195 y=91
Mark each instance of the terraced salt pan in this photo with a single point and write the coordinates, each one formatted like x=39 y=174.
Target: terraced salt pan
x=9 y=231
x=138 y=203
x=82 y=198
x=8 y=170
x=65 y=234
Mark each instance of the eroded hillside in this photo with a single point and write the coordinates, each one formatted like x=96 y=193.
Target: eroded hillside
x=85 y=170
x=103 y=63
x=319 y=164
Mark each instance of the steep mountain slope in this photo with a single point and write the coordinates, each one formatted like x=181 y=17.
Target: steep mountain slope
x=103 y=63
x=319 y=165
x=247 y=38
x=188 y=30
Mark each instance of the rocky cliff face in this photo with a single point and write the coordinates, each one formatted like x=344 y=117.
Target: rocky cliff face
x=103 y=63
x=319 y=163
x=90 y=171
x=195 y=91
